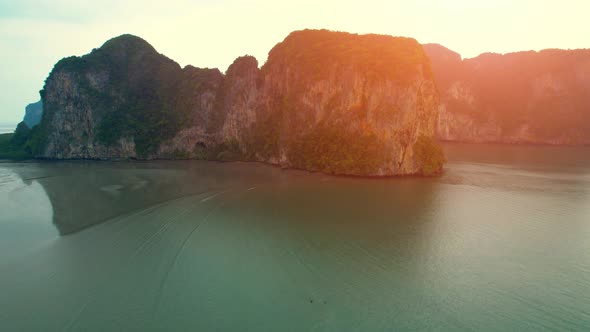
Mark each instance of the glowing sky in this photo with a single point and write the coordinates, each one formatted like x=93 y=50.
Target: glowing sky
x=34 y=35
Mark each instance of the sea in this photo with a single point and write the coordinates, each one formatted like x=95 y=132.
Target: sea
x=499 y=242
x=7 y=128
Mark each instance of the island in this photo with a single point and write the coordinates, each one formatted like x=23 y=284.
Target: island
x=325 y=101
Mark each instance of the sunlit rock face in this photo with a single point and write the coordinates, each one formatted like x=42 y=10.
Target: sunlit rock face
x=345 y=103
x=324 y=101
x=526 y=97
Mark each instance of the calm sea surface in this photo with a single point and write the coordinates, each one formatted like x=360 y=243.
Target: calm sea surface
x=7 y=128
x=500 y=242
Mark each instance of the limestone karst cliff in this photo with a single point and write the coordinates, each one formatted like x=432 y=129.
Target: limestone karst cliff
x=33 y=114
x=525 y=97
x=324 y=101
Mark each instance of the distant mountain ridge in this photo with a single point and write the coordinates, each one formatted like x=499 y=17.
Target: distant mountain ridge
x=524 y=97
x=33 y=113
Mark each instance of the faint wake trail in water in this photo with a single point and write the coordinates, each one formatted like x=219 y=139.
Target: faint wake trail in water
x=183 y=246
x=147 y=210
x=212 y=196
x=130 y=216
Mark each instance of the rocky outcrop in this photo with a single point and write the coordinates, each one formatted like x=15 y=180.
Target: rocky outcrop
x=324 y=101
x=114 y=103
x=343 y=103
x=526 y=97
x=33 y=113
x=198 y=97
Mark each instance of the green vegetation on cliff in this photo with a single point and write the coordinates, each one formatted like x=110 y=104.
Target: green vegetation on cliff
x=14 y=145
x=132 y=88
x=7 y=150
x=333 y=149
x=429 y=155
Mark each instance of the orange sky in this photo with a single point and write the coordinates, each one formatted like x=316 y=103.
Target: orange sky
x=212 y=33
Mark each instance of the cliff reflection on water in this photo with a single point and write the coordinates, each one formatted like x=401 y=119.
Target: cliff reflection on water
x=499 y=242
x=87 y=193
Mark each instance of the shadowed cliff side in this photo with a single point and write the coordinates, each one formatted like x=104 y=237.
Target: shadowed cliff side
x=325 y=101
x=33 y=114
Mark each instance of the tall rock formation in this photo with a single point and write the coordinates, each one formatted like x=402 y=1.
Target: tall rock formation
x=343 y=103
x=33 y=113
x=324 y=101
x=526 y=97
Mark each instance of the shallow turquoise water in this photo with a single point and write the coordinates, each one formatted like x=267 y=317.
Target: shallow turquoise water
x=500 y=242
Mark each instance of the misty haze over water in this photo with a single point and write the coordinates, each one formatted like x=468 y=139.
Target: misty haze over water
x=7 y=128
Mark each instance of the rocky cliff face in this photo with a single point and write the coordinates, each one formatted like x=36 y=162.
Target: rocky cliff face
x=526 y=97
x=324 y=101
x=33 y=113
x=347 y=104
x=114 y=103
